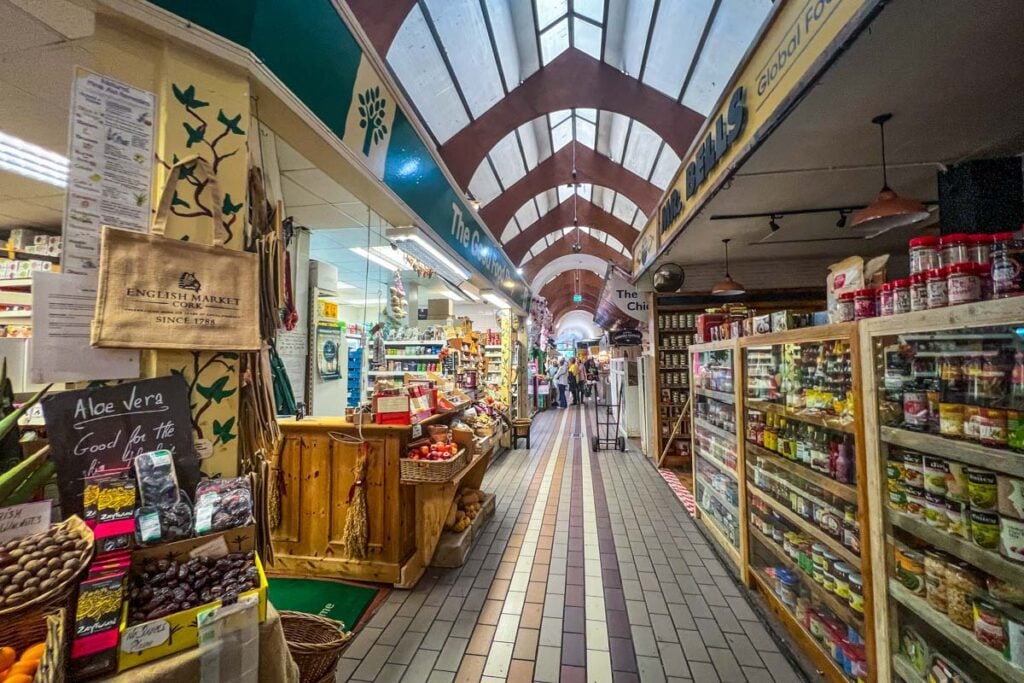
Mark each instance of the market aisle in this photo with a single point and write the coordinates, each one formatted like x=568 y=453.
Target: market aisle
x=590 y=570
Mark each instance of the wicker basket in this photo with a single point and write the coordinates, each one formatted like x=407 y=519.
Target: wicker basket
x=36 y=626
x=58 y=595
x=432 y=471
x=315 y=644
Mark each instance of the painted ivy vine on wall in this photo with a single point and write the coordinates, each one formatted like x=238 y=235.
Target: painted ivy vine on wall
x=208 y=386
x=199 y=134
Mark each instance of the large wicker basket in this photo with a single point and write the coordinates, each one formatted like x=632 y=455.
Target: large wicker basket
x=59 y=595
x=27 y=628
x=315 y=644
x=432 y=471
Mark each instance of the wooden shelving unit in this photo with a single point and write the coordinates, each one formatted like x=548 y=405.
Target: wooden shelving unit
x=927 y=337
x=675 y=327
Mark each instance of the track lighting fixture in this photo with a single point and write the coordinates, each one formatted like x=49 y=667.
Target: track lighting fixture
x=841 y=223
x=772 y=224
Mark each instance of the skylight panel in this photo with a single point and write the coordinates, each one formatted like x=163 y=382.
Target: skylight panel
x=585 y=191
x=591 y=9
x=564 y=193
x=503 y=29
x=734 y=28
x=617 y=127
x=587 y=37
x=677 y=30
x=586 y=132
x=549 y=10
x=616 y=245
x=507 y=160
x=640 y=220
x=527 y=214
x=541 y=138
x=510 y=231
x=640 y=151
x=546 y=201
x=665 y=169
x=528 y=138
x=417 y=63
x=483 y=185
x=604 y=197
x=638 y=20
x=587 y=114
x=561 y=134
x=463 y=33
x=554 y=41
x=623 y=208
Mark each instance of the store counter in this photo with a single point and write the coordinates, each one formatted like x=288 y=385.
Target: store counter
x=276 y=665
x=404 y=519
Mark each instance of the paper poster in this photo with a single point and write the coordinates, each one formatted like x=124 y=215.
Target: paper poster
x=111 y=166
x=293 y=349
x=62 y=311
x=103 y=429
x=328 y=351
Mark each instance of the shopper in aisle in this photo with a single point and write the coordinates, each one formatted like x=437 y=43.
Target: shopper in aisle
x=574 y=381
x=590 y=367
x=551 y=369
x=562 y=379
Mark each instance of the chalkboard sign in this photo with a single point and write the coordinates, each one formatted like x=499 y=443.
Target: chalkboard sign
x=103 y=429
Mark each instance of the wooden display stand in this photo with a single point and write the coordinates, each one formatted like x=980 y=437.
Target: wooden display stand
x=886 y=524
x=405 y=519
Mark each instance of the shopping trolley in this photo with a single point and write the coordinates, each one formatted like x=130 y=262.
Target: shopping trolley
x=607 y=414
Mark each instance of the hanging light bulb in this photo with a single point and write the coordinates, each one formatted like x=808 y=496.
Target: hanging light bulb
x=889 y=210
x=727 y=286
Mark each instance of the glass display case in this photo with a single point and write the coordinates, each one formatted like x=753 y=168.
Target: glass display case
x=945 y=429
x=716 y=447
x=804 y=462
x=675 y=333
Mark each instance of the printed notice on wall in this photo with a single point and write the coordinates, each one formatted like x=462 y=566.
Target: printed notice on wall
x=62 y=310
x=110 y=151
x=293 y=348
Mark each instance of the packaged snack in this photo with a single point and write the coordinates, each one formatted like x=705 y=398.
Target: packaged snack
x=158 y=483
x=223 y=504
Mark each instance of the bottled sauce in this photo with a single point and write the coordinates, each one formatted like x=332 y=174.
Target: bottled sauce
x=851 y=530
x=802 y=448
x=771 y=441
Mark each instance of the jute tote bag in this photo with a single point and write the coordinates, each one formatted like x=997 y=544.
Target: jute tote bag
x=160 y=293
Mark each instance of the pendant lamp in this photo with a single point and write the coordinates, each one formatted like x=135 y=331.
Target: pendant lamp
x=728 y=286
x=889 y=210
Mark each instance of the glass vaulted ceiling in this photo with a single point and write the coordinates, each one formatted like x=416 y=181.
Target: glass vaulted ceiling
x=619 y=205
x=458 y=58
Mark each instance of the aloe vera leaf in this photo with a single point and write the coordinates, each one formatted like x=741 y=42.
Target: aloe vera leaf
x=9 y=422
x=13 y=478
x=28 y=488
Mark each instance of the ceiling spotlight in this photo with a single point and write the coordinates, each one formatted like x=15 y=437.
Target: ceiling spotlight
x=577 y=248
x=473 y=201
x=841 y=223
x=772 y=224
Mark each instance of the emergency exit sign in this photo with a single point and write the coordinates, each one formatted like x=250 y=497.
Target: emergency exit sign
x=577 y=298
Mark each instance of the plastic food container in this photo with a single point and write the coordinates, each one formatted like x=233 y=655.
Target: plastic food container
x=963 y=283
x=845 y=307
x=954 y=248
x=864 y=303
x=1007 y=259
x=938 y=295
x=910 y=570
x=985 y=529
x=924 y=254
x=979 y=246
x=990 y=626
x=885 y=296
x=786 y=585
x=857 y=593
x=919 y=292
x=964 y=583
x=936 y=581
x=901 y=296
x=1011 y=538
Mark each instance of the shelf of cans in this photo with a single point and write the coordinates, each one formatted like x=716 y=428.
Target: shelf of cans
x=675 y=333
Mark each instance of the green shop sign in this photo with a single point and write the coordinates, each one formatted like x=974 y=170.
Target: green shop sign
x=307 y=45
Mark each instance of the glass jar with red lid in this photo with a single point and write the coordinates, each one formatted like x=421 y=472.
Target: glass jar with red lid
x=954 y=248
x=924 y=254
x=919 y=292
x=963 y=283
x=938 y=295
x=845 y=307
x=885 y=304
x=979 y=246
x=1007 y=259
x=901 y=296
x=864 y=303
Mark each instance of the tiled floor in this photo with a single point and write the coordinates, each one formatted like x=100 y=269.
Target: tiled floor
x=590 y=570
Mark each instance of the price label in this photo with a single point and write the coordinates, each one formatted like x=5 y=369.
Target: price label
x=215 y=548
x=417 y=431
x=18 y=521
x=145 y=636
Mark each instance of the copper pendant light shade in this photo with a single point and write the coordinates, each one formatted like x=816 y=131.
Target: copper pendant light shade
x=727 y=286
x=889 y=210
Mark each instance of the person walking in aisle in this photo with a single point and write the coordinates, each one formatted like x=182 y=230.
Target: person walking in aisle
x=590 y=367
x=551 y=369
x=574 y=381
x=562 y=379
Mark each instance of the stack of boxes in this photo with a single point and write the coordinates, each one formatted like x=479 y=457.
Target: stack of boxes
x=355 y=375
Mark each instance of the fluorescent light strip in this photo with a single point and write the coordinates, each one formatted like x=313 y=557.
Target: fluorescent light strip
x=392 y=256
x=345 y=285
x=32 y=161
x=495 y=299
x=436 y=253
x=374 y=258
x=450 y=295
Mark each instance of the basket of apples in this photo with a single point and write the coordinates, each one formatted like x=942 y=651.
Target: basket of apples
x=432 y=461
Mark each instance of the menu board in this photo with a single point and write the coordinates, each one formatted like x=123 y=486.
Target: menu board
x=103 y=429
x=111 y=163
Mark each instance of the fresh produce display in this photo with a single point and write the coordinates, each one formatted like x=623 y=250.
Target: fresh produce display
x=34 y=565
x=163 y=587
x=433 y=451
x=464 y=509
x=15 y=668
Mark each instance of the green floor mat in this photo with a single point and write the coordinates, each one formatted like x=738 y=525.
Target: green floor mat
x=331 y=599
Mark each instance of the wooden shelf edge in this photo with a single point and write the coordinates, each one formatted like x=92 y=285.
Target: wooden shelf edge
x=807 y=643
x=831 y=600
x=824 y=422
x=902 y=666
x=722 y=396
x=716 y=532
x=725 y=469
x=717 y=431
x=715 y=494
x=838 y=489
x=962 y=637
x=962 y=451
x=801 y=523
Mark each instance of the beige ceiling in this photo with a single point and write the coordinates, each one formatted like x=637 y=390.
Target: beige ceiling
x=952 y=79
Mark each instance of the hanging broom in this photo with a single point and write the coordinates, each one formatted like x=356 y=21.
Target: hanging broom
x=356 y=533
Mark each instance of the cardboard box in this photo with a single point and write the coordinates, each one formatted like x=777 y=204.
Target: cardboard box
x=440 y=309
x=150 y=640
x=782 y=321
